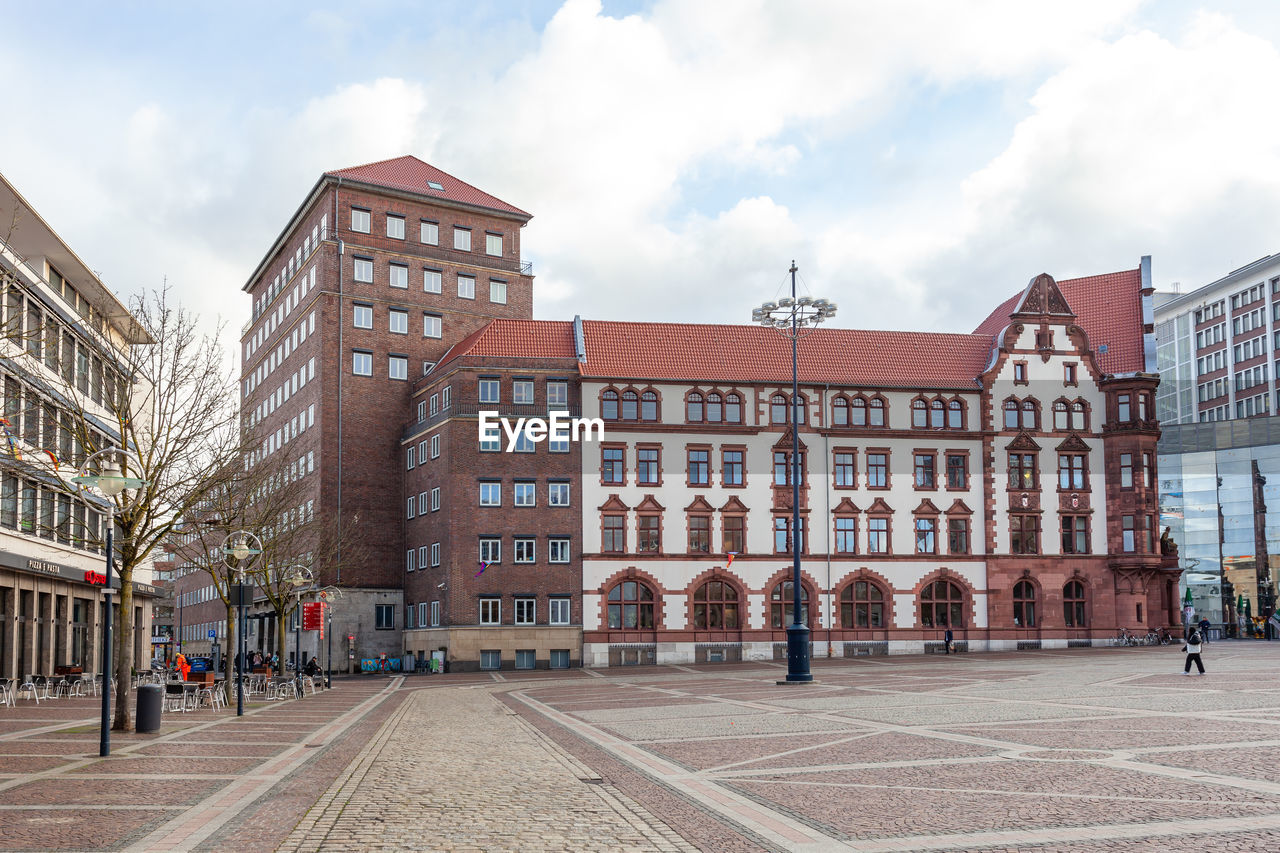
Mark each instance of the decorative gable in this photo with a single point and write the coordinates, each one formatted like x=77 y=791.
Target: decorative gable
x=846 y=507
x=614 y=504
x=1023 y=441
x=1073 y=444
x=651 y=505
x=926 y=508
x=879 y=507
x=699 y=504
x=1041 y=300
x=733 y=505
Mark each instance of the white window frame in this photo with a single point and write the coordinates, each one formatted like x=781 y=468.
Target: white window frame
x=397 y=232
x=435 y=499
x=527 y=489
x=560 y=611
x=398 y=276
x=435 y=554
x=522 y=392
x=461 y=239
x=362 y=312
x=487 y=385
x=361 y=359
x=525 y=550
x=497 y=292
x=362 y=270
x=429 y=232
x=557 y=395
x=491 y=494
x=432 y=280
x=490 y=550
x=401 y=315
x=491 y=611
x=554 y=548
x=466 y=287
x=493 y=245
x=435 y=446
x=435 y=614
x=555 y=489
x=432 y=325
x=361 y=220
x=411 y=508
x=401 y=362
x=526 y=611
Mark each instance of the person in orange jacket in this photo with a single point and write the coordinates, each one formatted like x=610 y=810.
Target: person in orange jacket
x=180 y=663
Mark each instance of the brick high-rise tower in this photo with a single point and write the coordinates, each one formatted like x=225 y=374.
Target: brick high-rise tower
x=380 y=270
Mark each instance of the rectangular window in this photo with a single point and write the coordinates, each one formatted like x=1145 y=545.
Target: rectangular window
x=699 y=467
x=360 y=220
x=429 y=233
x=466 y=287
x=1022 y=471
x=957 y=471
x=411 y=507
x=734 y=534
x=384 y=617
x=613 y=536
x=1126 y=470
x=557 y=550
x=526 y=610
x=782 y=538
x=524 y=493
x=361 y=363
x=490 y=550
x=612 y=465
x=1122 y=408
x=490 y=494
x=395 y=227
x=409 y=463
x=411 y=559
x=490 y=614
x=362 y=316
x=489 y=390
x=924 y=470
x=877 y=470
x=493 y=245
x=435 y=446
x=846 y=536
x=733 y=472
x=398 y=276
x=557 y=396
x=1071 y=471
x=398 y=367
x=845 y=470
x=1128 y=538
x=557 y=494
x=435 y=554
x=435 y=499
x=497 y=292
x=1075 y=534
x=878 y=535
x=699 y=534
x=462 y=239
x=525 y=550
x=363 y=270
x=926 y=535
x=522 y=392
x=431 y=281
x=1024 y=534
x=560 y=609
x=490 y=658
x=958 y=535
x=648 y=466
x=649 y=538
x=398 y=322
x=526 y=658
x=431 y=326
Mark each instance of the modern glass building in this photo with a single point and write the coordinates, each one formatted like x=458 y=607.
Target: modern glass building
x=1220 y=500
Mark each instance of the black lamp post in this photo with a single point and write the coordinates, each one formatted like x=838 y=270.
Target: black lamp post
x=795 y=318
x=299 y=578
x=241 y=546
x=328 y=596
x=110 y=481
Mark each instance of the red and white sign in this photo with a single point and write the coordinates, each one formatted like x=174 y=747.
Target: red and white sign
x=313 y=616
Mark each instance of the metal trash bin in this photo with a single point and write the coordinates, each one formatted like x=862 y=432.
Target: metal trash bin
x=150 y=704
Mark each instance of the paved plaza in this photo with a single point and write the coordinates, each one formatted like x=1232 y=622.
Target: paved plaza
x=1081 y=750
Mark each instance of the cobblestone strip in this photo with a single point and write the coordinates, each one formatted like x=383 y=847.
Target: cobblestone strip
x=319 y=821
x=206 y=817
x=455 y=770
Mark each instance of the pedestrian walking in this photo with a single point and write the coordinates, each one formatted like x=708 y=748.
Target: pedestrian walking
x=946 y=640
x=1192 y=648
x=1204 y=630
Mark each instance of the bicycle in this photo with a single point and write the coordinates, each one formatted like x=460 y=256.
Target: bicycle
x=1124 y=638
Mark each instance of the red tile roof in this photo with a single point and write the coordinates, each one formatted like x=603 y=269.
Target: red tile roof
x=516 y=339
x=1109 y=309
x=410 y=174
x=723 y=353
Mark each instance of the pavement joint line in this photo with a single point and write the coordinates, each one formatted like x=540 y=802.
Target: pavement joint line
x=21 y=734
x=221 y=806
x=752 y=816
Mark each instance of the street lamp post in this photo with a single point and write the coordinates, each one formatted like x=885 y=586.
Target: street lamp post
x=795 y=318
x=111 y=482
x=241 y=546
x=329 y=595
x=299 y=578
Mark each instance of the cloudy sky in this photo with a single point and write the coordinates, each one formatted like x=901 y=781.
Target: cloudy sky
x=919 y=160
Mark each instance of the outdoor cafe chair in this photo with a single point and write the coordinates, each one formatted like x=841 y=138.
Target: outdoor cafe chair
x=6 y=692
x=29 y=685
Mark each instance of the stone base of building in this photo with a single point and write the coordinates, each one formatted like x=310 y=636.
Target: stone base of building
x=500 y=647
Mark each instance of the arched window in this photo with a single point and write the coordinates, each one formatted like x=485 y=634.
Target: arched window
x=942 y=605
x=876 y=413
x=937 y=414
x=778 y=409
x=715 y=606
x=1079 y=416
x=782 y=607
x=715 y=409
x=631 y=606
x=609 y=405
x=649 y=406
x=1010 y=414
x=733 y=409
x=1029 y=411
x=919 y=414
x=1060 y=421
x=629 y=405
x=840 y=411
x=955 y=415
x=693 y=407
x=1073 y=604
x=862 y=606
x=858 y=412
x=1024 y=604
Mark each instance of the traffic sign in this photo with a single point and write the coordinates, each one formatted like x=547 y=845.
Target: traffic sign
x=212 y=634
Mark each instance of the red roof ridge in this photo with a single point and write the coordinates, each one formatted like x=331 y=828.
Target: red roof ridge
x=410 y=173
